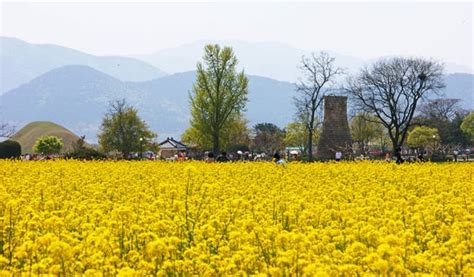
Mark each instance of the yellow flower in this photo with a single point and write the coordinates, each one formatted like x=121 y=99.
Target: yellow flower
x=159 y=218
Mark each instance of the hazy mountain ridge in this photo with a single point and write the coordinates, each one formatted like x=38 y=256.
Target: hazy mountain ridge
x=20 y=62
x=270 y=59
x=77 y=97
x=72 y=96
x=460 y=86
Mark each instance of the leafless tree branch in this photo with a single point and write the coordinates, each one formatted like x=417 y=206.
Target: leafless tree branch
x=6 y=130
x=392 y=89
x=318 y=73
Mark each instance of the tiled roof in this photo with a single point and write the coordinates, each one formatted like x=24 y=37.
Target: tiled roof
x=172 y=143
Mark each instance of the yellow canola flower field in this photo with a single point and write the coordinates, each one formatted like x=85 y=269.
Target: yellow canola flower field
x=193 y=218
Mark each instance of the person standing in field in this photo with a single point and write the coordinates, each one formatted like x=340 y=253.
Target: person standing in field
x=181 y=156
x=338 y=156
x=210 y=157
x=387 y=157
x=421 y=157
x=223 y=157
x=455 y=155
x=277 y=158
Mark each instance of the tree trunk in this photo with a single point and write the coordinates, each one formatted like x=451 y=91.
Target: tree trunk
x=215 y=144
x=395 y=146
x=310 y=145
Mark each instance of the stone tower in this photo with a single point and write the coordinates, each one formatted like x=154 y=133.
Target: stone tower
x=336 y=135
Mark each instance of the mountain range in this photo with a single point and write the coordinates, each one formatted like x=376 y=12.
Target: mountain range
x=270 y=59
x=76 y=95
x=21 y=61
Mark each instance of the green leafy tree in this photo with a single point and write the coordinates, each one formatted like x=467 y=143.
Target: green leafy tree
x=234 y=134
x=364 y=129
x=446 y=115
x=48 y=145
x=122 y=130
x=296 y=135
x=238 y=135
x=421 y=137
x=467 y=125
x=192 y=137
x=219 y=94
x=268 y=138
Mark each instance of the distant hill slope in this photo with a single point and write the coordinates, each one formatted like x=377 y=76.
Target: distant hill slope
x=29 y=134
x=77 y=97
x=21 y=61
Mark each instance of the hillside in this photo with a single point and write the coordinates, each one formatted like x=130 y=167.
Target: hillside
x=21 y=62
x=28 y=135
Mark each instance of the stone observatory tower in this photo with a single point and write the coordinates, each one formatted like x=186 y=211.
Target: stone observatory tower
x=336 y=135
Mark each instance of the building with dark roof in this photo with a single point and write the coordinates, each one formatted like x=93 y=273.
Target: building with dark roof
x=171 y=147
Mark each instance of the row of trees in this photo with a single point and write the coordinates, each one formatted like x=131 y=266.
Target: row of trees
x=440 y=122
x=387 y=96
x=219 y=97
x=367 y=134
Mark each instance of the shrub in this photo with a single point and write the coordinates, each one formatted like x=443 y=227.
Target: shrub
x=10 y=149
x=48 y=145
x=86 y=153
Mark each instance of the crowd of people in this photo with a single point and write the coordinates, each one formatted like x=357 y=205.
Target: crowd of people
x=39 y=157
x=399 y=156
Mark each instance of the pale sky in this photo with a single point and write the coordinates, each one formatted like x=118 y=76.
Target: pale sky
x=442 y=30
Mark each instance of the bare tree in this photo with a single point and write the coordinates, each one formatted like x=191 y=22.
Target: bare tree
x=446 y=115
x=442 y=109
x=318 y=73
x=6 y=130
x=391 y=89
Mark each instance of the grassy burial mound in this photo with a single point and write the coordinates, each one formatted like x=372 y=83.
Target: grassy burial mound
x=28 y=135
